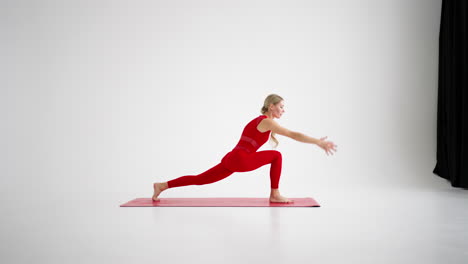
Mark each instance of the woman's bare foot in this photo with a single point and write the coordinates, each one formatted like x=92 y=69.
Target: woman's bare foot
x=276 y=197
x=279 y=199
x=158 y=188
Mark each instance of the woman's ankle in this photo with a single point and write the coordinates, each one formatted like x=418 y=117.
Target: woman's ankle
x=274 y=192
x=162 y=186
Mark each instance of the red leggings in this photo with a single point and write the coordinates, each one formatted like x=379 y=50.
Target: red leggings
x=237 y=160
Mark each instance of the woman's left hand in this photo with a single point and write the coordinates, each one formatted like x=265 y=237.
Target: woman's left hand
x=328 y=146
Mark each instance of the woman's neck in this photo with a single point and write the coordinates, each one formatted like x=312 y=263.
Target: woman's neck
x=269 y=115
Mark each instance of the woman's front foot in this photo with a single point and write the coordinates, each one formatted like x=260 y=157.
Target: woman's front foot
x=276 y=197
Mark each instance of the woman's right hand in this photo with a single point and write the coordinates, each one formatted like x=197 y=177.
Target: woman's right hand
x=328 y=146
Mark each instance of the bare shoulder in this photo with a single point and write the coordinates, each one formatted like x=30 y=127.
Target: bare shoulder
x=266 y=125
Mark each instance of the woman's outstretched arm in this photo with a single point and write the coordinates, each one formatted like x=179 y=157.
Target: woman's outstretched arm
x=269 y=124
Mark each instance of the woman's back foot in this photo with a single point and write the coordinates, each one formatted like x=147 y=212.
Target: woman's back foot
x=158 y=188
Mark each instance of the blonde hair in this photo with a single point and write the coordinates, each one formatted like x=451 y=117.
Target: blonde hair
x=271 y=99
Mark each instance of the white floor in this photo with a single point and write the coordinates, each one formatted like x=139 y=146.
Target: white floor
x=370 y=225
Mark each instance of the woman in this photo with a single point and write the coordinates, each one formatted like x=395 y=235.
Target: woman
x=244 y=157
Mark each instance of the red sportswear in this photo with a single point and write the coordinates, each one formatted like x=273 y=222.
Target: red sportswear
x=244 y=157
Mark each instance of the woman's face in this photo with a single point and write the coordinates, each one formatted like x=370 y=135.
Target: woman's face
x=277 y=110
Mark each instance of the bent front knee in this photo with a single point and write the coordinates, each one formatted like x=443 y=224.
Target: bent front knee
x=278 y=155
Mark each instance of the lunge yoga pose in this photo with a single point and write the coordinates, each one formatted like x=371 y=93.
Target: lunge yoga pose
x=245 y=157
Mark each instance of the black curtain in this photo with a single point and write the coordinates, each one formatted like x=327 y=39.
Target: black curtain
x=452 y=108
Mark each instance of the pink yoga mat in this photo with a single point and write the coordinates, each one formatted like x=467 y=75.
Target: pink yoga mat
x=218 y=202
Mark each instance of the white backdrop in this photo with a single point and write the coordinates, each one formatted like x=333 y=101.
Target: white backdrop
x=104 y=98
